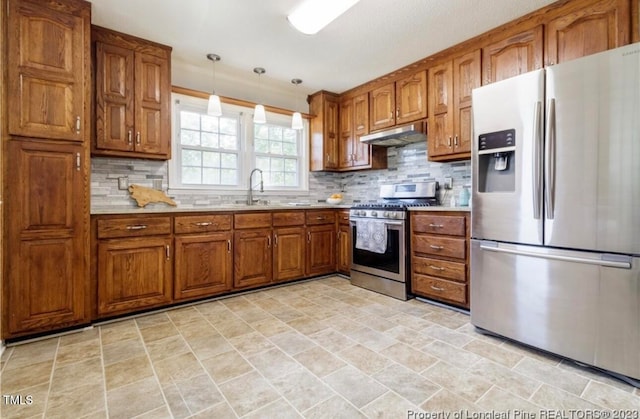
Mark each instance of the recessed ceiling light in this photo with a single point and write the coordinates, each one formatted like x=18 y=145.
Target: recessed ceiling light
x=312 y=15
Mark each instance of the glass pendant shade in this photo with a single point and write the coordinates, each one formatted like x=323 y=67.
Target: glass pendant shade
x=214 y=108
x=296 y=121
x=259 y=115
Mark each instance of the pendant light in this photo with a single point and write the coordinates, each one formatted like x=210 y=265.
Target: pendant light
x=214 y=108
x=296 y=120
x=259 y=115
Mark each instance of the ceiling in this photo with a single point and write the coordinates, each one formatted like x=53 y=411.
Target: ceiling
x=373 y=38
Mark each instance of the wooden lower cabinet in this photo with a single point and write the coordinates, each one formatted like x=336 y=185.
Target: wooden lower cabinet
x=134 y=274
x=440 y=256
x=321 y=249
x=252 y=261
x=46 y=267
x=203 y=265
x=288 y=253
x=344 y=250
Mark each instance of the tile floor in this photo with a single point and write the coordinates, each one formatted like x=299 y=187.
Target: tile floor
x=318 y=349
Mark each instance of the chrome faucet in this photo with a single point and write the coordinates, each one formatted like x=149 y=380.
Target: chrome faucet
x=250 y=200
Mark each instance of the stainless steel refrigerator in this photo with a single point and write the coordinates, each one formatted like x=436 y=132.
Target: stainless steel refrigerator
x=555 y=253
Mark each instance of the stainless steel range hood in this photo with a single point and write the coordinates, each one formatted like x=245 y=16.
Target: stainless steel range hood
x=397 y=136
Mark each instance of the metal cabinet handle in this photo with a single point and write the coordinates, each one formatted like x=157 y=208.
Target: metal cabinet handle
x=455 y=140
x=320 y=218
x=78 y=162
x=432 y=225
x=129 y=137
x=433 y=246
x=138 y=138
x=167 y=251
x=449 y=142
x=136 y=227
x=78 y=124
x=275 y=240
x=228 y=246
x=436 y=268
x=309 y=236
x=436 y=288
x=268 y=242
x=203 y=224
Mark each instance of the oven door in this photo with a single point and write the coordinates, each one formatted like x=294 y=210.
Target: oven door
x=390 y=264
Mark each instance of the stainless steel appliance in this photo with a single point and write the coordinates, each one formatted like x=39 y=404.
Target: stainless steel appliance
x=379 y=237
x=555 y=254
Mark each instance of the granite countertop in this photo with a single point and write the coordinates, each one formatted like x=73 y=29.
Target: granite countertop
x=440 y=208
x=166 y=209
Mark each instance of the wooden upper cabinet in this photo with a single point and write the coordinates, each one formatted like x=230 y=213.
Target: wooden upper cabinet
x=411 y=98
x=345 y=149
x=133 y=93
x=513 y=55
x=361 y=114
x=354 y=122
x=589 y=29
x=48 y=68
x=450 y=86
x=382 y=106
x=324 y=131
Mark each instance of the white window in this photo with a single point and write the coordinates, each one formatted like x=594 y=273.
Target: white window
x=218 y=153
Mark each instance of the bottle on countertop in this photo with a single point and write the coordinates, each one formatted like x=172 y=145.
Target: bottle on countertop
x=463 y=197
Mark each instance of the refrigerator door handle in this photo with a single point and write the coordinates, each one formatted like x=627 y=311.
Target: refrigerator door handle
x=537 y=160
x=550 y=160
x=622 y=262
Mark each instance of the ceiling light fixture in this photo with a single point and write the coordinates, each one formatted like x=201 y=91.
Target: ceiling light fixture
x=312 y=15
x=296 y=120
x=259 y=115
x=214 y=108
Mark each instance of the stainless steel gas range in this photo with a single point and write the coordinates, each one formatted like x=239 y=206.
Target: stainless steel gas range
x=380 y=238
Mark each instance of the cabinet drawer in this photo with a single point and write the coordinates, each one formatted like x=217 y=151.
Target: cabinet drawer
x=202 y=223
x=439 y=288
x=288 y=218
x=439 y=246
x=343 y=217
x=439 y=224
x=252 y=220
x=133 y=227
x=320 y=217
x=454 y=271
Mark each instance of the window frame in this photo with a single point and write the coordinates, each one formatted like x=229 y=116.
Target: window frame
x=246 y=154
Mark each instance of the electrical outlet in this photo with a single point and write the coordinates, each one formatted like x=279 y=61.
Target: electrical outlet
x=448 y=183
x=157 y=184
x=123 y=183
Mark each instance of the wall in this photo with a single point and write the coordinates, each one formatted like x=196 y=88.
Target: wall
x=405 y=164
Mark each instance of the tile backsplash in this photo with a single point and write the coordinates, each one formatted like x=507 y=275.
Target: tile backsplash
x=405 y=164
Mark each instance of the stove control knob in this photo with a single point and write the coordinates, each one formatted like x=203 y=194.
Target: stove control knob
x=374 y=214
x=387 y=214
x=392 y=214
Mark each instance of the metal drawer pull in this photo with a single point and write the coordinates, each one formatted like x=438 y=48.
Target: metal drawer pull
x=203 y=224
x=167 y=251
x=275 y=240
x=78 y=162
x=228 y=246
x=436 y=225
x=433 y=246
x=137 y=227
x=309 y=236
x=320 y=218
x=436 y=268
x=138 y=138
x=78 y=125
x=268 y=241
x=129 y=136
x=437 y=288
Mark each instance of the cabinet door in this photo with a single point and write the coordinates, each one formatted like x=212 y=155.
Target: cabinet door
x=321 y=249
x=47 y=52
x=361 y=114
x=346 y=151
x=382 y=105
x=441 y=102
x=588 y=30
x=411 y=98
x=252 y=262
x=344 y=250
x=46 y=267
x=134 y=274
x=153 y=89
x=466 y=77
x=114 y=97
x=203 y=265
x=511 y=56
x=288 y=253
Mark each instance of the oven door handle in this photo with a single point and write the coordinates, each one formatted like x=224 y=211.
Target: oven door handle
x=394 y=223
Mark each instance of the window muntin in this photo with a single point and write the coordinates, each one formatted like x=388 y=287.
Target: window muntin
x=276 y=154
